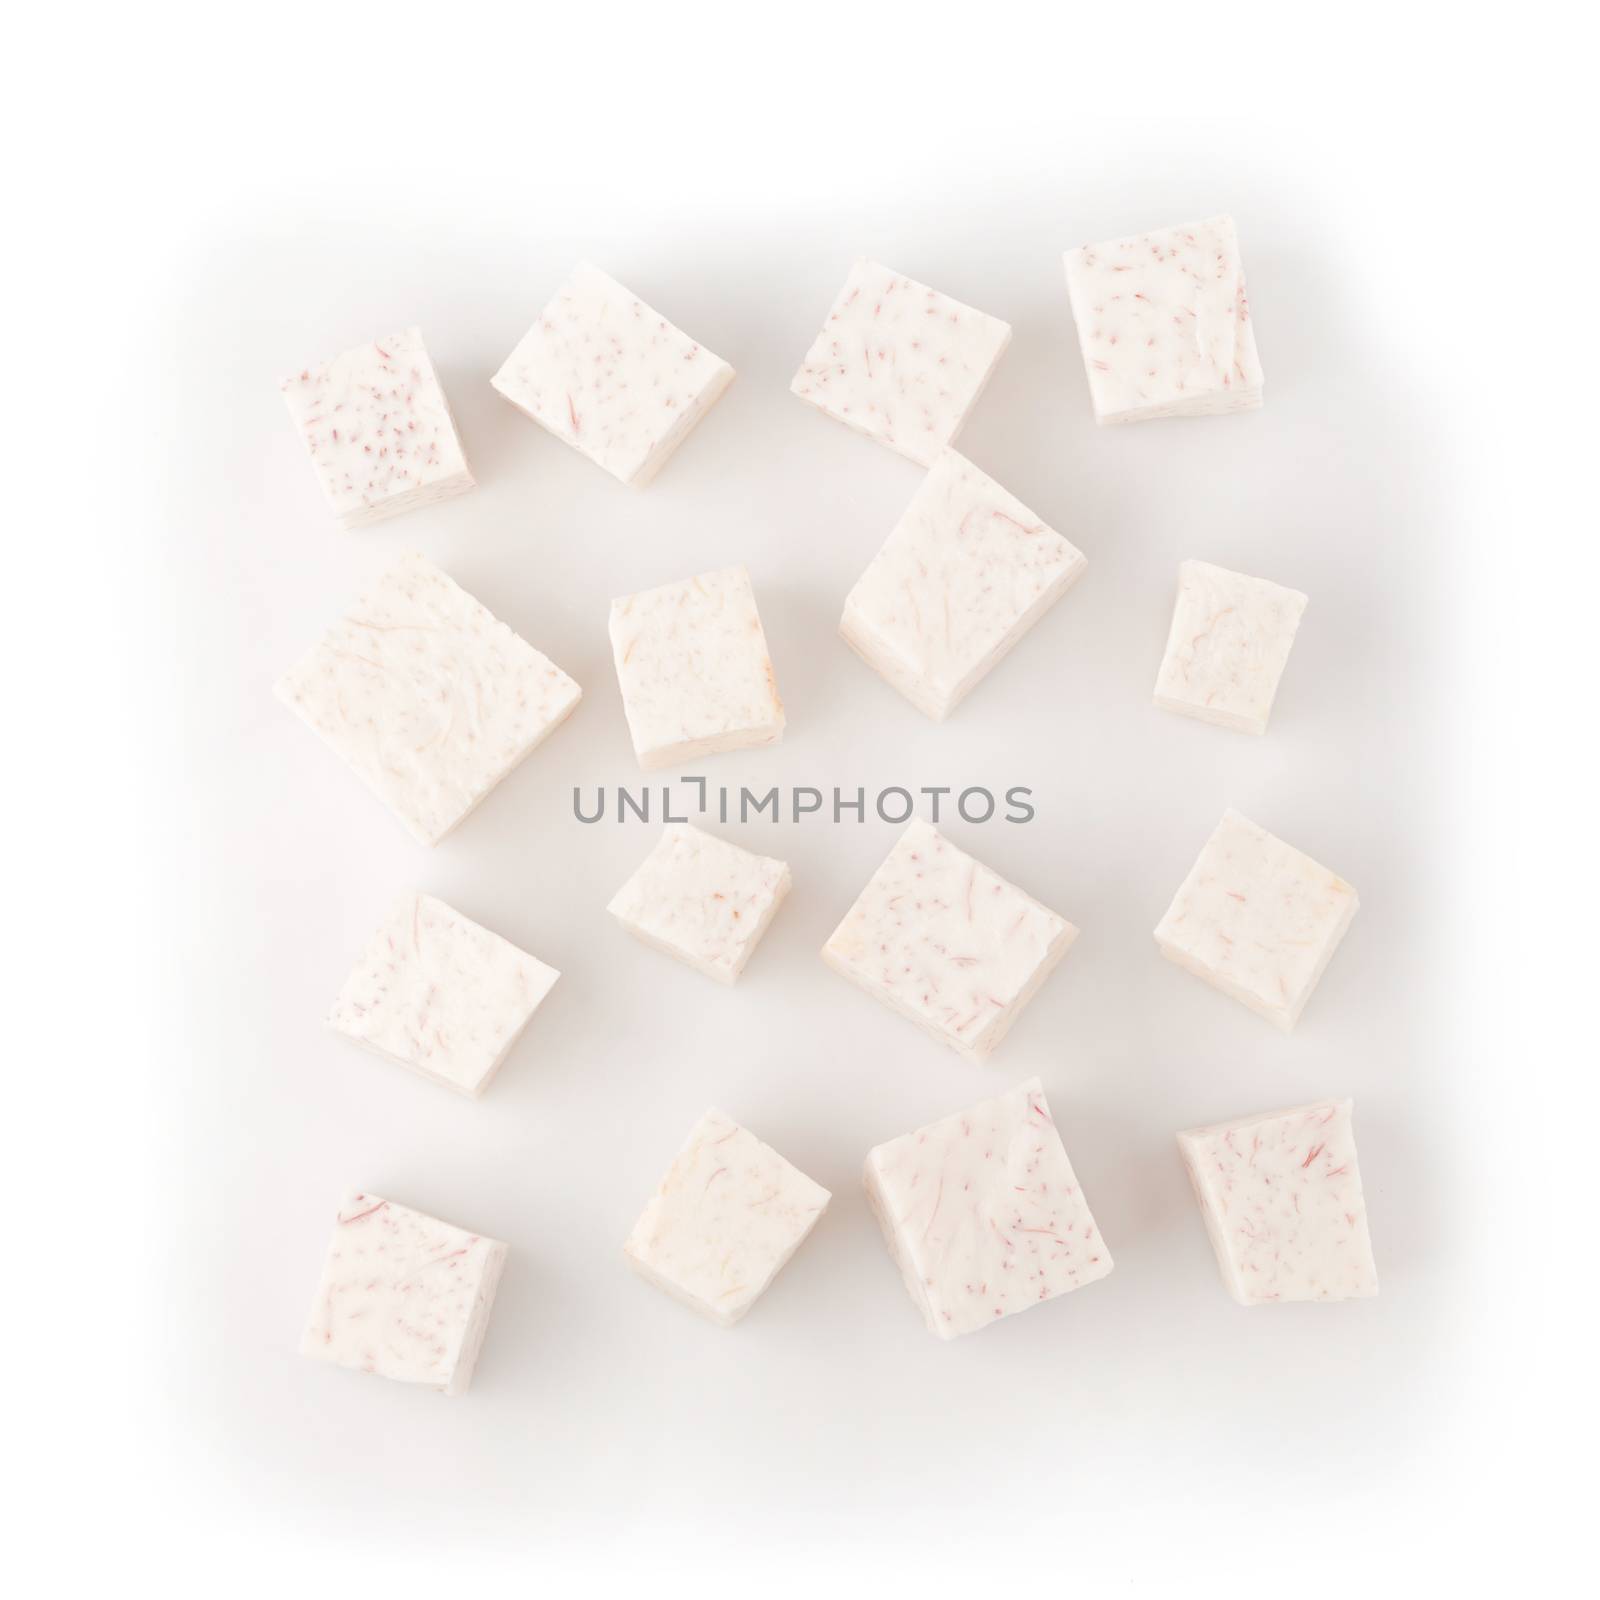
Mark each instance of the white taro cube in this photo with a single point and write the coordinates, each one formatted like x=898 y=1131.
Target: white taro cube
x=702 y=900
x=436 y=992
x=966 y=572
x=1257 y=919
x=612 y=378
x=693 y=668
x=1164 y=324
x=727 y=1216
x=378 y=429
x=946 y=943
x=983 y=1214
x=1282 y=1202
x=403 y=1295
x=900 y=362
x=428 y=697
x=1227 y=647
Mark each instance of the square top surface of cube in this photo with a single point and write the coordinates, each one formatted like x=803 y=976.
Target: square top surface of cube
x=611 y=377
x=947 y=943
x=727 y=1216
x=440 y=994
x=1282 y=1201
x=966 y=572
x=379 y=429
x=1257 y=919
x=403 y=1295
x=983 y=1214
x=1228 y=646
x=1164 y=323
x=900 y=362
x=701 y=899
x=427 y=696
x=693 y=668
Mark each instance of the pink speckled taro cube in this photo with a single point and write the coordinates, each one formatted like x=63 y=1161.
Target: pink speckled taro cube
x=900 y=362
x=1282 y=1201
x=610 y=377
x=403 y=1296
x=983 y=1215
x=379 y=431
x=1164 y=324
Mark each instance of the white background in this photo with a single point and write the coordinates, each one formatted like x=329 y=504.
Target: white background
x=220 y=199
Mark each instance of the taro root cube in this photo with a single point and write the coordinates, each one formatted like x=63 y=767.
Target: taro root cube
x=1228 y=646
x=437 y=993
x=1257 y=919
x=702 y=900
x=982 y=1213
x=1164 y=324
x=378 y=428
x=403 y=1296
x=1281 y=1197
x=727 y=1216
x=900 y=362
x=612 y=378
x=950 y=945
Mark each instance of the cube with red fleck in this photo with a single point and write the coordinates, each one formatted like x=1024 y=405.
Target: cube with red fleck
x=983 y=1214
x=723 y=1222
x=1164 y=324
x=1257 y=919
x=702 y=900
x=1282 y=1201
x=900 y=362
x=379 y=430
x=437 y=992
x=1227 y=647
x=403 y=1295
x=610 y=377
x=693 y=668
x=948 y=944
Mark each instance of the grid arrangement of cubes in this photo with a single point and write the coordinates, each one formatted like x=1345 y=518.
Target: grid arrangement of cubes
x=610 y=377
x=966 y=572
x=702 y=900
x=727 y=1217
x=982 y=1213
x=436 y=992
x=1228 y=646
x=1282 y=1202
x=1164 y=324
x=378 y=428
x=403 y=1296
x=1257 y=919
x=428 y=697
x=693 y=668
x=950 y=945
x=900 y=362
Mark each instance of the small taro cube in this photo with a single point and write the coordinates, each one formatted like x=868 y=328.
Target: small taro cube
x=966 y=572
x=950 y=945
x=1164 y=324
x=612 y=378
x=437 y=993
x=1281 y=1198
x=900 y=362
x=1257 y=920
x=403 y=1296
x=982 y=1213
x=1228 y=647
x=729 y=1213
x=427 y=696
x=703 y=900
x=694 y=671
x=379 y=430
